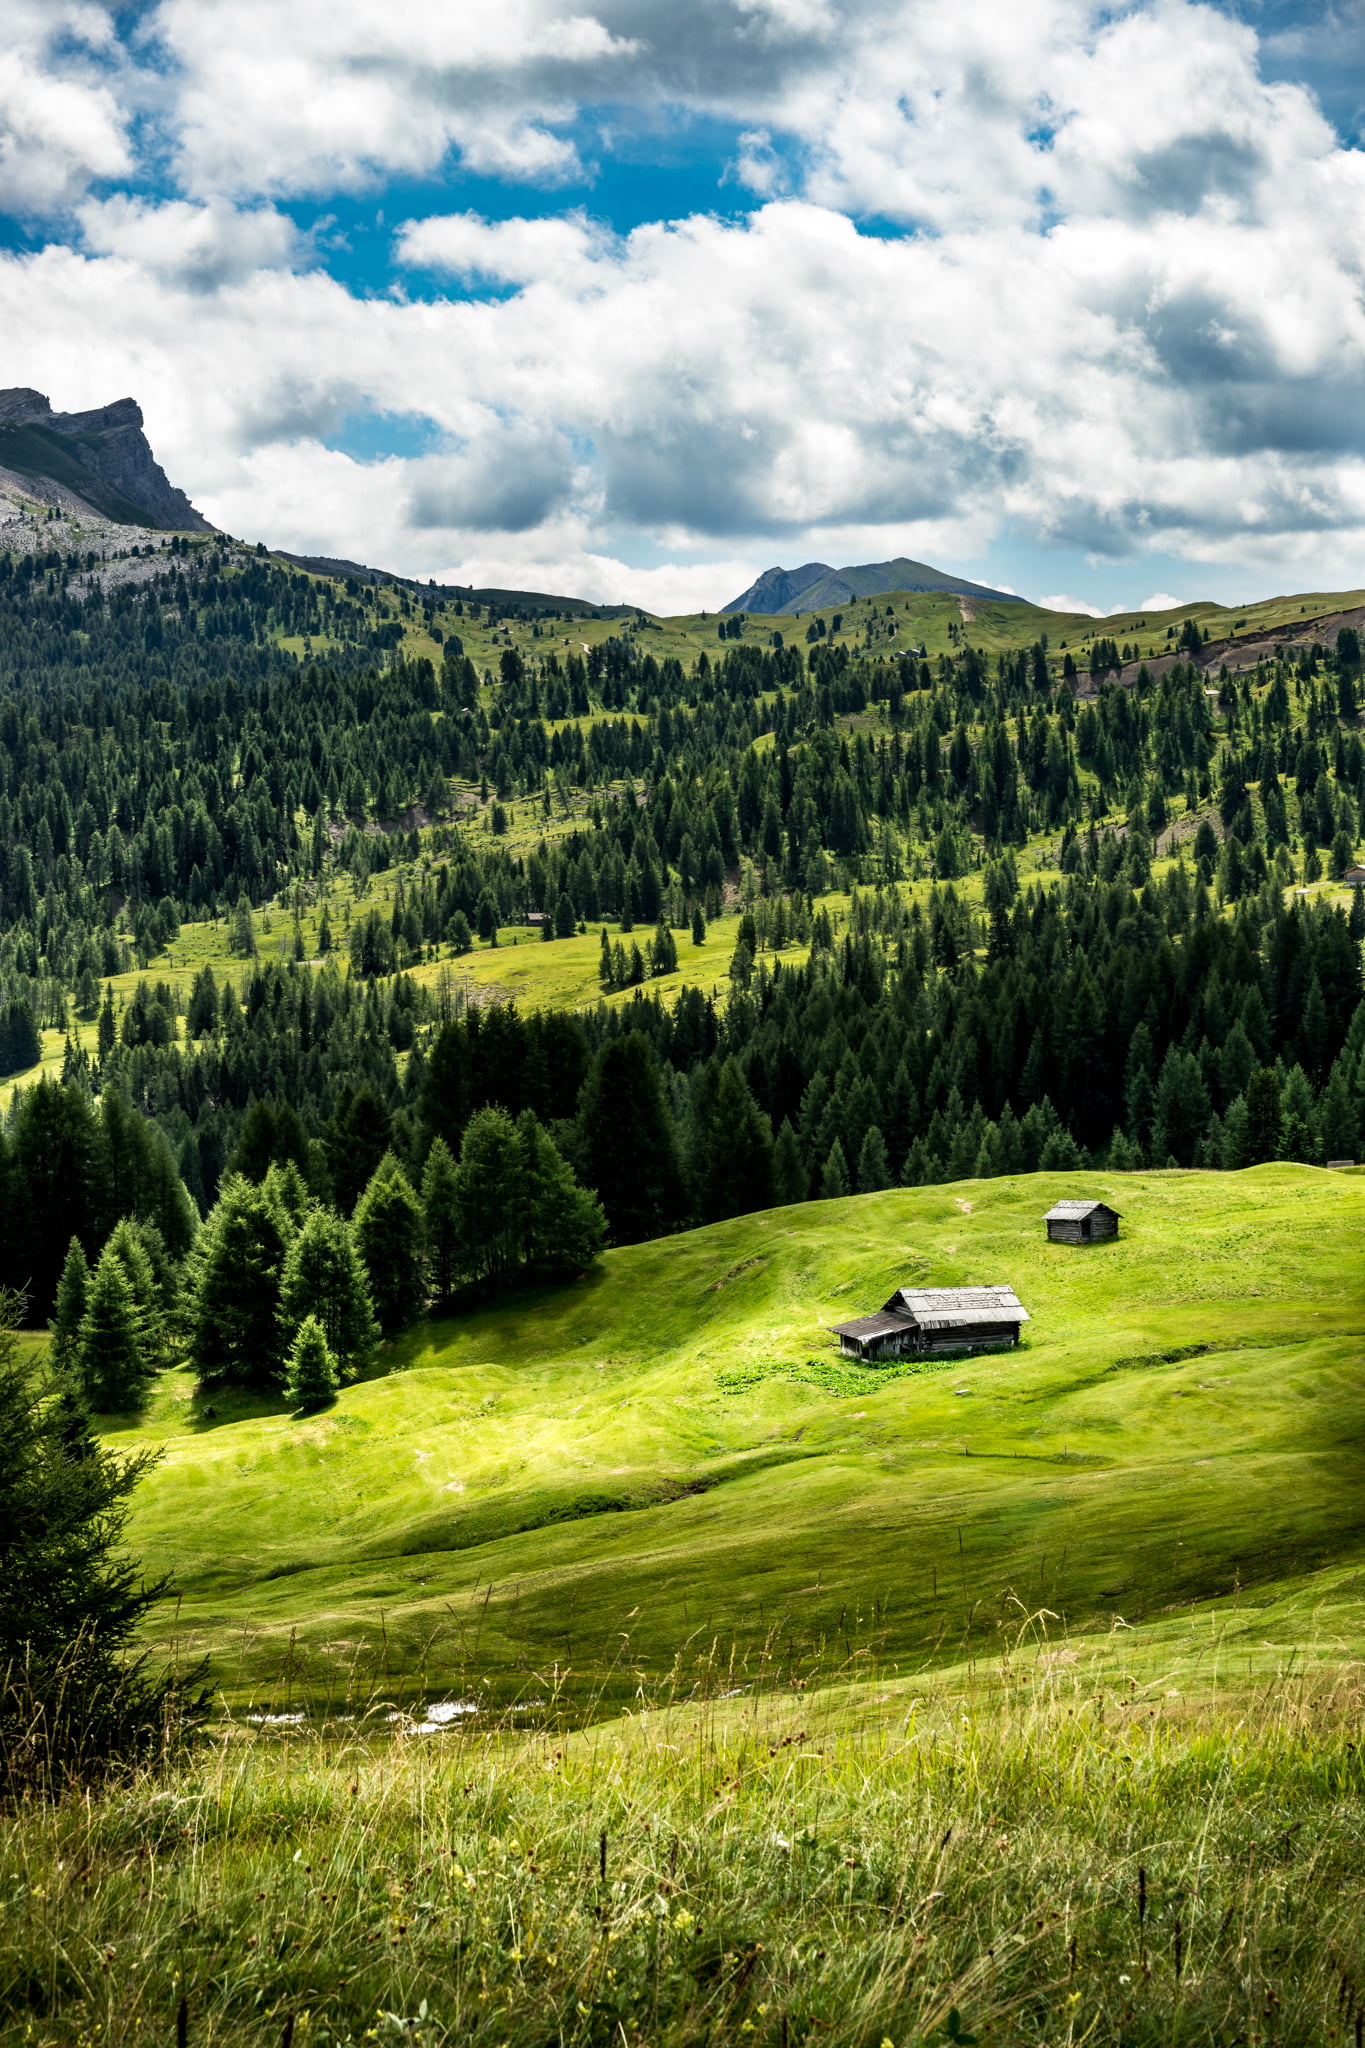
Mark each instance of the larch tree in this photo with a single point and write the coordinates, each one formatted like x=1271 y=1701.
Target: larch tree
x=324 y=1278
x=235 y=1272
x=564 y=1225
x=311 y=1372
x=834 y=1178
x=630 y=1142
x=125 y=1243
x=388 y=1233
x=492 y=1194
x=110 y=1348
x=71 y=1599
x=874 y=1168
x=791 y=1182
x=73 y=1291
x=736 y=1151
x=441 y=1219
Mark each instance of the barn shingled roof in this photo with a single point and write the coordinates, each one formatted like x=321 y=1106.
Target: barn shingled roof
x=945 y=1308
x=865 y=1327
x=1071 y=1212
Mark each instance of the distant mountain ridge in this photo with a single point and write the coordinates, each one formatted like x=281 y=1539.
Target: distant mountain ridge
x=816 y=586
x=101 y=459
x=527 y=603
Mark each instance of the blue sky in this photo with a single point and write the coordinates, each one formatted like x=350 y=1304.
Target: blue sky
x=634 y=300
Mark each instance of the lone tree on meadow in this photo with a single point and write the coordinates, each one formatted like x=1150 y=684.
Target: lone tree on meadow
x=311 y=1376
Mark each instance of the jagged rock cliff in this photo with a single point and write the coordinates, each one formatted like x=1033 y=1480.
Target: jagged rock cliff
x=100 y=457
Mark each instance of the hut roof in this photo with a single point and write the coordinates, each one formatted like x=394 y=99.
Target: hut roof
x=1071 y=1212
x=947 y=1308
x=865 y=1327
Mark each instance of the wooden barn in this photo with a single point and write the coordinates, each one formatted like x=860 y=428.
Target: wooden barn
x=1081 y=1222
x=935 y=1322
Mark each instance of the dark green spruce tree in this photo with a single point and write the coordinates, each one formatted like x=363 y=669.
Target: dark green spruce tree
x=388 y=1234
x=311 y=1375
x=76 y=1695
x=111 y=1358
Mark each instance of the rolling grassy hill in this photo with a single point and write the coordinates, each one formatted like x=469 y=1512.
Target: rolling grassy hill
x=667 y=1459
x=936 y=621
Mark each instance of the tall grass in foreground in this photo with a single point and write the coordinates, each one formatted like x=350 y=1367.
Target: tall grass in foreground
x=1037 y=1863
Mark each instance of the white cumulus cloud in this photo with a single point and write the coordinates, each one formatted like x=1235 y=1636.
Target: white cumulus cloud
x=199 y=245
x=513 y=251
x=61 y=121
x=330 y=94
x=1127 y=316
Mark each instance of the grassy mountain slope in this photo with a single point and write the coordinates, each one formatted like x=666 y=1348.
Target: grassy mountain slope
x=937 y=621
x=539 y=623
x=670 y=1453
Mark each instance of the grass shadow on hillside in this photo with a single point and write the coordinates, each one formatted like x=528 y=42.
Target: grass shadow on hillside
x=217 y=1407
x=489 y=1306
x=542 y=1474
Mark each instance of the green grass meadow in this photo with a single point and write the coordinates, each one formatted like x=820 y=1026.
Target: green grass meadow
x=1043 y=1860
x=556 y=1501
x=619 y=1666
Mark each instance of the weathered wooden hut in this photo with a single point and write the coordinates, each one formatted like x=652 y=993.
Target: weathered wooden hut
x=1081 y=1222
x=935 y=1322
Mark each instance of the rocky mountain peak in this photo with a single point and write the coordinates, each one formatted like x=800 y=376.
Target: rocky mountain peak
x=102 y=457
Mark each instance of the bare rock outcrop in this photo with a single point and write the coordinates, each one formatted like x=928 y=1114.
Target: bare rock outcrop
x=102 y=457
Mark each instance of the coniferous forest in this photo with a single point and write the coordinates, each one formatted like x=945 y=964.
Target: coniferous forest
x=294 y=1161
